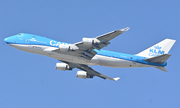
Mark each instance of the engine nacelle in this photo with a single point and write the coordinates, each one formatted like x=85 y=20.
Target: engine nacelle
x=90 y=41
x=66 y=48
x=63 y=66
x=83 y=75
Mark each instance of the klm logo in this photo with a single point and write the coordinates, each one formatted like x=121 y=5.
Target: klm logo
x=155 y=51
x=32 y=39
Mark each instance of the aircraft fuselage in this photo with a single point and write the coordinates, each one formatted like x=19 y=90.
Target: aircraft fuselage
x=37 y=44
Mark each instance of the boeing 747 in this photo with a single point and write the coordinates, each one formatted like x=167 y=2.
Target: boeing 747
x=89 y=52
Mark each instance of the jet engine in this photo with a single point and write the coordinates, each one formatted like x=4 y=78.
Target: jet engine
x=63 y=66
x=66 y=48
x=90 y=41
x=83 y=75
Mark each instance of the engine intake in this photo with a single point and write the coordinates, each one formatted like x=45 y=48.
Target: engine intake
x=83 y=75
x=90 y=41
x=63 y=66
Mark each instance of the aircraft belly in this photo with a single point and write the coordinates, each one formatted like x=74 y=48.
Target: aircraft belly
x=96 y=60
x=37 y=49
x=74 y=59
x=115 y=62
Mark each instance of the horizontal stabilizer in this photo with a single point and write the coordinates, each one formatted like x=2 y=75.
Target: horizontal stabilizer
x=161 y=68
x=158 y=59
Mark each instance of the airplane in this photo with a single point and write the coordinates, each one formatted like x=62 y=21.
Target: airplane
x=89 y=52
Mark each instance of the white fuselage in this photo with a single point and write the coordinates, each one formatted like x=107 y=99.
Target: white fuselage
x=96 y=60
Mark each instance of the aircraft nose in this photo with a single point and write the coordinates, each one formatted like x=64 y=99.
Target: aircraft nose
x=6 y=40
x=10 y=39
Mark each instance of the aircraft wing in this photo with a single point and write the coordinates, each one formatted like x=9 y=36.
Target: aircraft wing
x=111 y=35
x=85 y=48
x=90 y=71
x=103 y=40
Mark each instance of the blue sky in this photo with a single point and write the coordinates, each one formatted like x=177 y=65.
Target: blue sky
x=31 y=81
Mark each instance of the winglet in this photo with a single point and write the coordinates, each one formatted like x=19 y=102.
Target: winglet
x=117 y=78
x=125 y=29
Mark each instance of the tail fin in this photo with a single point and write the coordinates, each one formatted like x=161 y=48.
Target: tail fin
x=160 y=48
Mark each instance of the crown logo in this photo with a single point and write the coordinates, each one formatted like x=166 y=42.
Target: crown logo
x=157 y=47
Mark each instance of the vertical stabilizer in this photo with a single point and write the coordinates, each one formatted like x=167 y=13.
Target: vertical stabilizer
x=160 y=48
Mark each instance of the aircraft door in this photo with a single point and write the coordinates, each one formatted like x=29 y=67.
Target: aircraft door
x=27 y=41
x=134 y=61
